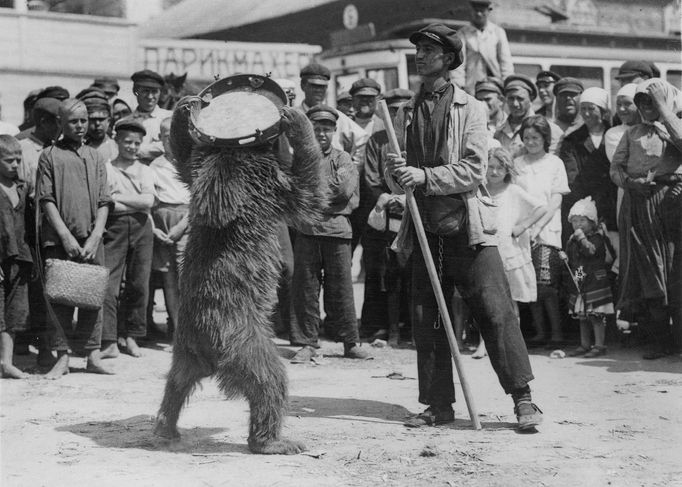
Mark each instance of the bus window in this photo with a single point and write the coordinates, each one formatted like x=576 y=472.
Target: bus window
x=386 y=77
x=530 y=70
x=589 y=75
x=674 y=77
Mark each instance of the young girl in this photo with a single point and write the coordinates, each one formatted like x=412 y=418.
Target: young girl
x=517 y=211
x=543 y=175
x=590 y=299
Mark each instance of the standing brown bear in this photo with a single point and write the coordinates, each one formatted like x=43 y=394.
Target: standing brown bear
x=231 y=269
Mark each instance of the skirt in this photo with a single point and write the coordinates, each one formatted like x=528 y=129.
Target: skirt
x=548 y=266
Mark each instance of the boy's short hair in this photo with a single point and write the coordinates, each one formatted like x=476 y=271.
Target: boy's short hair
x=506 y=161
x=9 y=143
x=166 y=122
x=539 y=123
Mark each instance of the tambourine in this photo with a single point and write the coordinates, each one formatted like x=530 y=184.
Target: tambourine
x=237 y=111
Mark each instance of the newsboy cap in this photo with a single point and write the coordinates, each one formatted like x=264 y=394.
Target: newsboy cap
x=54 y=92
x=47 y=105
x=443 y=35
x=397 y=96
x=547 y=77
x=572 y=85
x=634 y=68
x=365 y=86
x=131 y=124
x=343 y=96
x=316 y=74
x=106 y=84
x=148 y=78
x=323 y=113
x=514 y=81
x=489 y=84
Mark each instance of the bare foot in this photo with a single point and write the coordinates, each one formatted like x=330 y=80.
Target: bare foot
x=96 y=367
x=110 y=351
x=45 y=358
x=60 y=368
x=132 y=347
x=276 y=447
x=165 y=430
x=9 y=371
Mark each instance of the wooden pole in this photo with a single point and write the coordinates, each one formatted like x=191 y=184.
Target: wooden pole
x=433 y=274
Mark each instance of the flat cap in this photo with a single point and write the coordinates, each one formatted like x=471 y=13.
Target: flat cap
x=316 y=74
x=572 y=85
x=90 y=92
x=323 y=113
x=107 y=84
x=343 y=96
x=47 y=105
x=397 y=96
x=443 y=35
x=522 y=81
x=365 y=86
x=547 y=77
x=635 y=68
x=54 y=92
x=131 y=124
x=490 y=84
x=148 y=78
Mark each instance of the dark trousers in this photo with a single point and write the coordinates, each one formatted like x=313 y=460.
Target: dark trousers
x=14 y=299
x=128 y=244
x=479 y=277
x=282 y=314
x=88 y=330
x=312 y=257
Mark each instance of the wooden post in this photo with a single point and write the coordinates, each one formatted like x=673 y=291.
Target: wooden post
x=433 y=274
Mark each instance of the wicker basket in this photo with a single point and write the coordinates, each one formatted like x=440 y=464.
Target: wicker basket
x=74 y=284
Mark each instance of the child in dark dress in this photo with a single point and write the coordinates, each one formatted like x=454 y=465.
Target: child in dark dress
x=590 y=298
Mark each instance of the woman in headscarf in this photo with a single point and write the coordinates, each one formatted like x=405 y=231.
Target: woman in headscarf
x=587 y=167
x=647 y=165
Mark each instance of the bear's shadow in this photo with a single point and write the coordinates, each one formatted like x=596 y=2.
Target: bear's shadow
x=137 y=432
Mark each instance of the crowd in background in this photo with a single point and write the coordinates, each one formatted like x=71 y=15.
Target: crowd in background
x=587 y=196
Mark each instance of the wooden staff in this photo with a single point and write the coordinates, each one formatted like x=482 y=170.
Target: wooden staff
x=433 y=274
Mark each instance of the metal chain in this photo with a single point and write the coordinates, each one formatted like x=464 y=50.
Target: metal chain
x=438 y=322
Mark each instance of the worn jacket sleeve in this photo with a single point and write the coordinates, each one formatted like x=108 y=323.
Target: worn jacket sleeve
x=619 y=162
x=44 y=179
x=467 y=173
x=343 y=184
x=352 y=138
x=568 y=155
x=374 y=165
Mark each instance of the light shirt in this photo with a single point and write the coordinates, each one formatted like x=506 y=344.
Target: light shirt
x=485 y=53
x=7 y=128
x=151 y=146
x=169 y=188
x=542 y=179
x=612 y=139
x=31 y=147
x=510 y=139
x=135 y=179
x=108 y=149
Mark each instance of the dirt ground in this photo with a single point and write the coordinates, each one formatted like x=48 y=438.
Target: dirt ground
x=613 y=421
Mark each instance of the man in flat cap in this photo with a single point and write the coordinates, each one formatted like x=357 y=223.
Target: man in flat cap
x=384 y=277
x=344 y=104
x=325 y=246
x=519 y=93
x=486 y=49
x=108 y=85
x=443 y=133
x=634 y=72
x=567 y=93
x=99 y=119
x=147 y=88
x=544 y=81
x=349 y=136
x=44 y=132
x=489 y=91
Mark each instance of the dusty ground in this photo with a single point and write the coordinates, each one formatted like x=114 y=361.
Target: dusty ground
x=608 y=421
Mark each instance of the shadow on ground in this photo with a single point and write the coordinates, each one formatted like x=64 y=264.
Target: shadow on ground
x=137 y=433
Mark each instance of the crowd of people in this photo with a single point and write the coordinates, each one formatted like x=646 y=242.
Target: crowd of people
x=571 y=210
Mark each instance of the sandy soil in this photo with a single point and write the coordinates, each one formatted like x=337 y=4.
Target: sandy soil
x=613 y=421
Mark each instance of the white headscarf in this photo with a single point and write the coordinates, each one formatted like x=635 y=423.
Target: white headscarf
x=584 y=207
x=628 y=90
x=598 y=96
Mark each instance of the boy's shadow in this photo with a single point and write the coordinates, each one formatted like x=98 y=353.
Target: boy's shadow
x=137 y=432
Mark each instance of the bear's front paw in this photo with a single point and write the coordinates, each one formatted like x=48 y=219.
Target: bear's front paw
x=295 y=124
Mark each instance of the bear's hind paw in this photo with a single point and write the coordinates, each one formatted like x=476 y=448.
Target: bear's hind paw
x=164 y=430
x=277 y=447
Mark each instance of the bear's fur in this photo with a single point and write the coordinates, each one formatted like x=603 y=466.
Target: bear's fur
x=231 y=270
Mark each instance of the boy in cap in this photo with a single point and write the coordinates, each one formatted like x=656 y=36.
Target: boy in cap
x=545 y=81
x=108 y=85
x=37 y=138
x=349 y=136
x=128 y=243
x=99 y=120
x=365 y=94
x=344 y=104
x=147 y=87
x=519 y=92
x=634 y=72
x=441 y=118
x=326 y=247
x=74 y=196
x=489 y=91
x=485 y=50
